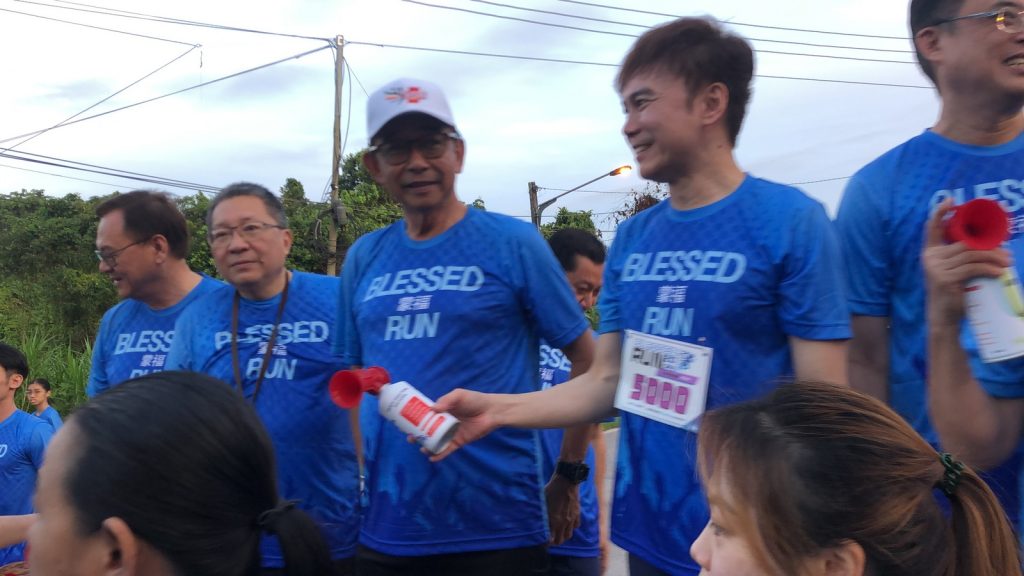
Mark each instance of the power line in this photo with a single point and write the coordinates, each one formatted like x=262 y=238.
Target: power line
x=200 y=85
x=646 y=27
x=738 y=23
x=97 y=27
x=87 y=165
x=760 y=51
x=348 y=64
x=166 y=20
x=62 y=176
x=113 y=172
x=612 y=65
x=65 y=121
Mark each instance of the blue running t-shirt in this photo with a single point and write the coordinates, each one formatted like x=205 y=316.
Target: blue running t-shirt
x=23 y=439
x=316 y=461
x=585 y=540
x=465 y=309
x=51 y=416
x=741 y=276
x=134 y=339
x=881 y=225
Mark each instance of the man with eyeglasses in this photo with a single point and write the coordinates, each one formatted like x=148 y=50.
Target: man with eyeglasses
x=141 y=242
x=269 y=333
x=973 y=51
x=449 y=297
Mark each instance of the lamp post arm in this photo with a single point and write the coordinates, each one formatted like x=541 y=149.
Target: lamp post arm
x=546 y=203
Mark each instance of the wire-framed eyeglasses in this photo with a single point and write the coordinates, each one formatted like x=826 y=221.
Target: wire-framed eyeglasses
x=109 y=257
x=1008 y=19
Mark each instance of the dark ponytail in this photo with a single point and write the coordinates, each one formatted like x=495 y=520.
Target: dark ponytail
x=186 y=463
x=302 y=545
x=814 y=466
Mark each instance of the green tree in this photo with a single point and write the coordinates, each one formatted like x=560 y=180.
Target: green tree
x=367 y=205
x=582 y=219
x=306 y=220
x=194 y=208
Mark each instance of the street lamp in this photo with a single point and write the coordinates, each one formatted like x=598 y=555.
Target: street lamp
x=537 y=209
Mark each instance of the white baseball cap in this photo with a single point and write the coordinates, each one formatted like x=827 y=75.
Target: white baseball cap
x=406 y=96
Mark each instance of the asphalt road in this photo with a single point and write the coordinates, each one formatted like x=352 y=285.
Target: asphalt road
x=617 y=563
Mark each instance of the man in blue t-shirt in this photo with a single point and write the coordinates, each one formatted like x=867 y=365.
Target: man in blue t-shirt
x=269 y=333
x=451 y=297
x=975 y=150
x=23 y=439
x=141 y=242
x=585 y=553
x=737 y=271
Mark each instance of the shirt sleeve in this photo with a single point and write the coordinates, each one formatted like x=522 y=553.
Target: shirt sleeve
x=546 y=293
x=180 y=355
x=608 y=301
x=862 y=223
x=346 y=341
x=40 y=439
x=812 y=299
x=98 y=370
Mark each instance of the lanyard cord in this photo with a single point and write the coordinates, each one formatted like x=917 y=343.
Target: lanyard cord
x=270 y=343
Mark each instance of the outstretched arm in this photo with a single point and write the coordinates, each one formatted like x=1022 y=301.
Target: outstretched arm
x=586 y=398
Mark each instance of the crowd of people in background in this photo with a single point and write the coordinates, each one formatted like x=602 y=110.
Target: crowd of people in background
x=210 y=446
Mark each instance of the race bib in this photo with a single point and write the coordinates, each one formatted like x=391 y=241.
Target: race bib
x=664 y=380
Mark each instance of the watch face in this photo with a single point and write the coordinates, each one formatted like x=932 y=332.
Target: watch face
x=574 y=472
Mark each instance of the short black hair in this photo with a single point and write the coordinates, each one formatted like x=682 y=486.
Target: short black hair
x=567 y=243
x=43 y=383
x=13 y=360
x=148 y=213
x=273 y=203
x=700 y=52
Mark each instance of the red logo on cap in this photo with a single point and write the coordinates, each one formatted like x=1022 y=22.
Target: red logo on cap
x=412 y=95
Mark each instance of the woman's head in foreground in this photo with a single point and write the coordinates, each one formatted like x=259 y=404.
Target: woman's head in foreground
x=819 y=480
x=168 y=474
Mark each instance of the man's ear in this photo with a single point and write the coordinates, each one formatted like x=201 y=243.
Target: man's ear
x=119 y=548
x=460 y=154
x=15 y=381
x=372 y=165
x=713 y=101
x=162 y=246
x=928 y=43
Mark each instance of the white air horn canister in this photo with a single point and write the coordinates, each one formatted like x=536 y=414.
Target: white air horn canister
x=995 y=306
x=404 y=405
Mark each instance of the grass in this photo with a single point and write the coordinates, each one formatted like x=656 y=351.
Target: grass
x=65 y=367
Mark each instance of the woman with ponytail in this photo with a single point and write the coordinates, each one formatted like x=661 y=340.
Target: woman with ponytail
x=170 y=474
x=816 y=479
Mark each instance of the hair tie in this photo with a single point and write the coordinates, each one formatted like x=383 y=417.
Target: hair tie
x=267 y=520
x=951 y=477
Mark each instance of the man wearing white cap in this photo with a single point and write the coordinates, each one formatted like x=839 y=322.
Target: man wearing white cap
x=451 y=297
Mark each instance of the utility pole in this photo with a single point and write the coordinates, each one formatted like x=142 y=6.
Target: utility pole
x=338 y=216
x=534 y=212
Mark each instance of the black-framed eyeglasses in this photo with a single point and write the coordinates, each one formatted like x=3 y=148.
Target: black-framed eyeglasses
x=221 y=237
x=110 y=257
x=1008 y=19
x=430 y=147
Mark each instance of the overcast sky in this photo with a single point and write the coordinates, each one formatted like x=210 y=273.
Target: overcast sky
x=558 y=124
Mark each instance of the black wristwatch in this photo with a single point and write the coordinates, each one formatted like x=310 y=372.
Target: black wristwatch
x=575 y=472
